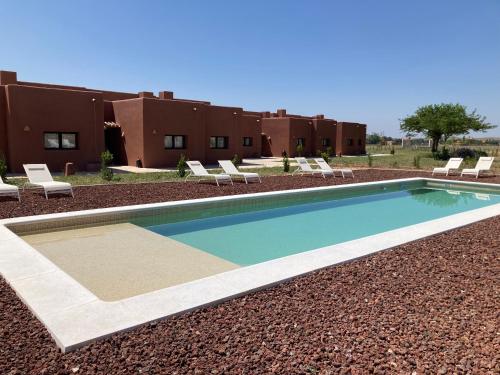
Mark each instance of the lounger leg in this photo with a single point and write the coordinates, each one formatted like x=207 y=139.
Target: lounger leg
x=246 y=181
x=189 y=174
x=72 y=195
x=46 y=196
x=18 y=196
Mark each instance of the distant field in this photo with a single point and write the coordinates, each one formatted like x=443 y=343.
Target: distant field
x=405 y=158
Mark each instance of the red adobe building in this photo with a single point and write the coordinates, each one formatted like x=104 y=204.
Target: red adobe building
x=54 y=124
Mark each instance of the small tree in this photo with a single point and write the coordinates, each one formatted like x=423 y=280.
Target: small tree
x=181 y=166
x=236 y=160
x=286 y=163
x=3 y=167
x=325 y=156
x=300 y=149
x=106 y=159
x=438 y=121
x=373 y=139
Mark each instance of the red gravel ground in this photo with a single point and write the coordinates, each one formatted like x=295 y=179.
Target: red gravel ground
x=431 y=306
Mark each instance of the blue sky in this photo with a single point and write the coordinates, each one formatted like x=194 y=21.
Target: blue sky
x=371 y=61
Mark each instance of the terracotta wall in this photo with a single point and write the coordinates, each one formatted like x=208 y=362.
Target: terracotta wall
x=168 y=117
x=301 y=128
x=129 y=114
x=324 y=128
x=250 y=126
x=354 y=131
x=224 y=122
x=277 y=131
x=34 y=111
x=3 y=122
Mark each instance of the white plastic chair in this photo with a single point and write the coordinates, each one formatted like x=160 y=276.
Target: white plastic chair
x=198 y=170
x=305 y=168
x=326 y=167
x=452 y=166
x=483 y=165
x=230 y=169
x=39 y=175
x=9 y=190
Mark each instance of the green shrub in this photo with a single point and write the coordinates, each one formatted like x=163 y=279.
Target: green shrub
x=182 y=166
x=444 y=154
x=416 y=161
x=325 y=156
x=106 y=159
x=300 y=150
x=370 y=160
x=329 y=151
x=3 y=167
x=236 y=160
x=286 y=164
x=467 y=153
x=393 y=151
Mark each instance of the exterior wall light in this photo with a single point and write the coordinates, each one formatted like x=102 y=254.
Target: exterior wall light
x=93 y=100
x=123 y=134
x=154 y=131
x=258 y=120
x=235 y=113
x=27 y=128
x=194 y=108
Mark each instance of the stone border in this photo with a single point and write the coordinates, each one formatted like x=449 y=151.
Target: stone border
x=74 y=316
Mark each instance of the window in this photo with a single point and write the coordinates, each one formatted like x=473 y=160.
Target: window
x=301 y=142
x=360 y=143
x=219 y=142
x=175 y=141
x=68 y=140
x=325 y=142
x=247 y=141
x=60 y=141
x=350 y=142
x=51 y=140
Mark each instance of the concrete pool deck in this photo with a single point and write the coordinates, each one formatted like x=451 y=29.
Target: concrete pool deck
x=74 y=316
x=123 y=260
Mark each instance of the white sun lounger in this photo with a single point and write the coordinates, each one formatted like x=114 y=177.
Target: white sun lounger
x=198 y=170
x=452 y=166
x=305 y=168
x=483 y=166
x=39 y=175
x=326 y=167
x=9 y=190
x=230 y=169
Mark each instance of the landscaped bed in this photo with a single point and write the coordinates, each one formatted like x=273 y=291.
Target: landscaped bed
x=429 y=305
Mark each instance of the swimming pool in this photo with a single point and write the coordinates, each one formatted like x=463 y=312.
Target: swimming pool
x=92 y=273
x=258 y=236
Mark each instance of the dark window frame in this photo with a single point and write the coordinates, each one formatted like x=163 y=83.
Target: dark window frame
x=350 y=142
x=60 y=143
x=360 y=142
x=184 y=142
x=325 y=142
x=249 y=143
x=216 y=138
x=301 y=142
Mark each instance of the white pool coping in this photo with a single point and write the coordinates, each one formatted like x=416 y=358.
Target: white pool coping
x=74 y=316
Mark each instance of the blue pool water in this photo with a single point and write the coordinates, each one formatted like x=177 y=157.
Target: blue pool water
x=254 y=237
